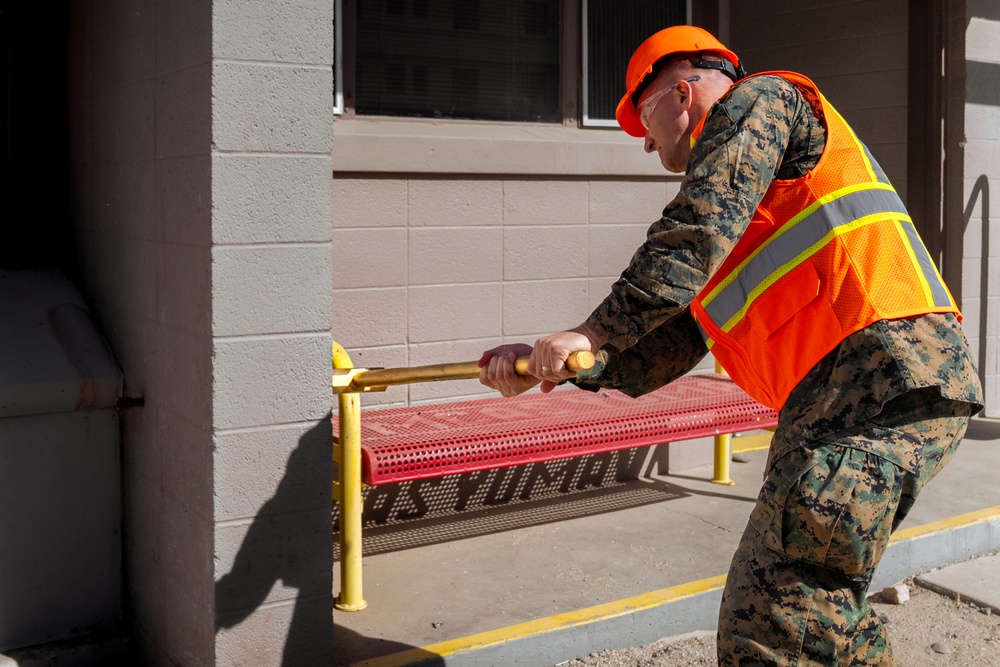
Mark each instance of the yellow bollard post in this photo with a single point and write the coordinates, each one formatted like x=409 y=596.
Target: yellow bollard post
x=347 y=491
x=723 y=451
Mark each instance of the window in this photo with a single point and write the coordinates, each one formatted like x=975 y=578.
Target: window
x=496 y=60
x=612 y=29
x=474 y=59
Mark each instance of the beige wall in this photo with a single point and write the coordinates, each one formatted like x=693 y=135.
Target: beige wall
x=438 y=268
x=981 y=264
x=200 y=162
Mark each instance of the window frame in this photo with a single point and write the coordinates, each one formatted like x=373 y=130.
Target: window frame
x=397 y=145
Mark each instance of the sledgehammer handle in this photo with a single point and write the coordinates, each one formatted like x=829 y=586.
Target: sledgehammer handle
x=580 y=360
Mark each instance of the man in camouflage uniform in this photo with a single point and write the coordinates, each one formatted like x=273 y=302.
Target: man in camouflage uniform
x=858 y=437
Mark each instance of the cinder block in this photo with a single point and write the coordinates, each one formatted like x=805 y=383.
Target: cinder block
x=544 y=252
x=124 y=50
x=259 y=107
x=126 y=136
x=627 y=201
x=689 y=454
x=612 y=247
x=132 y=276
x=273 y=470
x=185 y=196
x=440 y=255
x=125 y=196
x=462 y=202
x=270 y=380
x=369 y=257
x=287 y=285
x=261 y=199
x=453 y=312
x=186 y=554
x=185 y=288
x=449 y=352
x=182 y=368
x=370 y=202
x=982 y=40
x=369 y=317
x=270 y=32
x=274 y=558
x=549 y=305
x=187 y=467
x=183 y=34
x=982 y=121
x=545 y=202
x=183 y=103
x=981 y=158
x=299 y=632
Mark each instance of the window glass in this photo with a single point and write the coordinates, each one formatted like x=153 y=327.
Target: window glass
x=474 y=59
x=612 y=31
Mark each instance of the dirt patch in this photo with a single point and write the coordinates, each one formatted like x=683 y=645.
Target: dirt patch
x=928 y=629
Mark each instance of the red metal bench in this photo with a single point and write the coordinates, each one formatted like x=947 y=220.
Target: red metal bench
x=429 y=441
x=422 y=442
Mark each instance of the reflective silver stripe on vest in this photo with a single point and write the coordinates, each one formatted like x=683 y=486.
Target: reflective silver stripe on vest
x=786 y=246
x=879 y=173
x=938 y=290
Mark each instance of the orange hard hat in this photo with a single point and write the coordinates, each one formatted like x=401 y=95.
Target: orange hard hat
x=669 y=41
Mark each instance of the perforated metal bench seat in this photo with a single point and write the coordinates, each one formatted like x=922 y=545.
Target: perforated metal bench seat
x=422 y=442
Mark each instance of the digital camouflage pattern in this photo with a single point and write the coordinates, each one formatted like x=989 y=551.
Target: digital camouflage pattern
x=856 y=440
x=796 y=590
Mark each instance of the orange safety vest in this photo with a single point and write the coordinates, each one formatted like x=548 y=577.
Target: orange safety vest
x=824 y=256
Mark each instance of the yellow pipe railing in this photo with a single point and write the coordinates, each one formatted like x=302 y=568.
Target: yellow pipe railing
x=723 y=452
x=348 y=382
x=347 y=491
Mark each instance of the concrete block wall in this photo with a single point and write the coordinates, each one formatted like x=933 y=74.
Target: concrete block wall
x=845 y=46
x=140 y=103
x=981 y=264
x=272 y=115
x=200 y=148
x=437 y=268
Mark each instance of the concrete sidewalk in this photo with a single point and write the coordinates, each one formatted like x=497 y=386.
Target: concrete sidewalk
x=539 y=582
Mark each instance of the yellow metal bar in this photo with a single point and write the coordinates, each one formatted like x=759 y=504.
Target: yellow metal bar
x=348 y=491
x=359 y=380
x=723 y=451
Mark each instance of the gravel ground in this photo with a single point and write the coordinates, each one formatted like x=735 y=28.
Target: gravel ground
x=961 y=634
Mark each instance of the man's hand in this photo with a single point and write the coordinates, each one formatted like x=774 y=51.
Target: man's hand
x=548 y=357
x=496 y=370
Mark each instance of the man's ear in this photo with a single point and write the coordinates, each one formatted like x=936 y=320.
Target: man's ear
x=684 y=90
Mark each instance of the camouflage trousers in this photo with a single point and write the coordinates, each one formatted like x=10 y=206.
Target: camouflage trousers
x=796 y=593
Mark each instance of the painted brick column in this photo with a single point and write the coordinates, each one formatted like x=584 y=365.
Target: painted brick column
x=272 y=90
x=981 y=263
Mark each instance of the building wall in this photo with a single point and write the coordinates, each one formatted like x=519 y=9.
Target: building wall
x=436 y=268
x=140 y=100
x=200 y=165
x=981 y=287
x=855 y=51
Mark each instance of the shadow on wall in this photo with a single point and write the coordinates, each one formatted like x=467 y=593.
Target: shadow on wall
x=294 y=547
x=981 y=191
x=287 y=548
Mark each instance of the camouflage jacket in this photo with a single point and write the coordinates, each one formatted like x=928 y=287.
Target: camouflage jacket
x=763 y=129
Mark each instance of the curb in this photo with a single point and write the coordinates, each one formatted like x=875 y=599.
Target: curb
x=690 y=607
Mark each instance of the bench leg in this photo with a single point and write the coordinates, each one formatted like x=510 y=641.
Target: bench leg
x=351 y=505
x=347 y=491
x=723 y=455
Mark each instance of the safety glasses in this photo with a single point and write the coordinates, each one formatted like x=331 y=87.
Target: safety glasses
x=647 y=107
